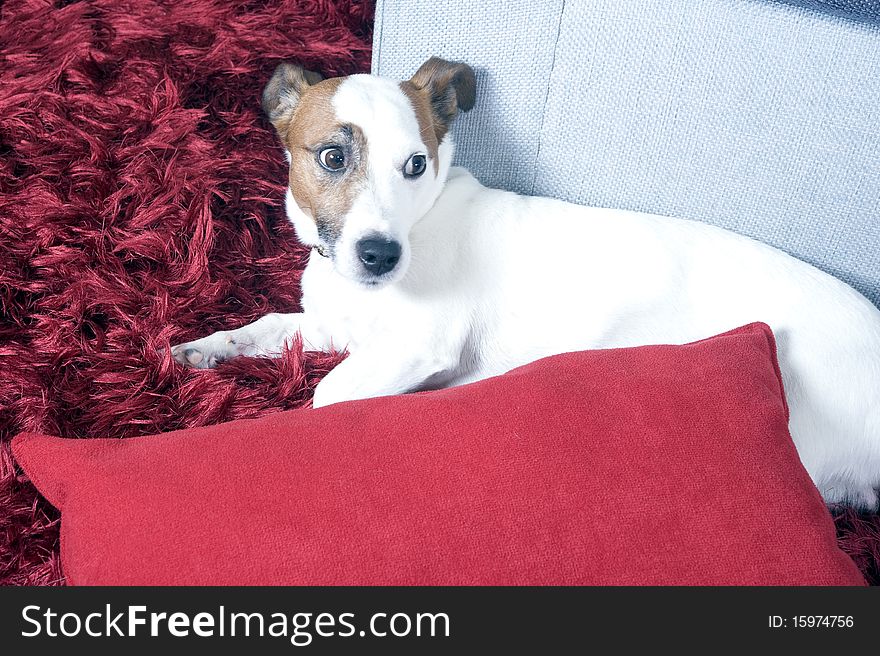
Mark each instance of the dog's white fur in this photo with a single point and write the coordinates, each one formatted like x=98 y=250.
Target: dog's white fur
x=490 y=280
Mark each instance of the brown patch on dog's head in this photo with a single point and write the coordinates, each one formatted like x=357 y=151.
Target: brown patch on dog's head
x=300 y=106
x=439 y=90
x=421 y=104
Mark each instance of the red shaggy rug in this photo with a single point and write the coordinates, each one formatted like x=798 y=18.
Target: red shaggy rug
x=140 y=204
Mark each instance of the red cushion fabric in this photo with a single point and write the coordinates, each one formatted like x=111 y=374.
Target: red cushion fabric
x=519 y=479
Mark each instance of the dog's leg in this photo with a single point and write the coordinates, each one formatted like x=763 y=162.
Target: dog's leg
x=378 y=370
x=265 y=337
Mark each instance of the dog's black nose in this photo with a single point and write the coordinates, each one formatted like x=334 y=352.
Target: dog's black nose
x=378 y=255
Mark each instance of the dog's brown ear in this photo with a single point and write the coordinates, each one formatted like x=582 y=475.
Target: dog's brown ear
x=282 y=93
x=450 y=86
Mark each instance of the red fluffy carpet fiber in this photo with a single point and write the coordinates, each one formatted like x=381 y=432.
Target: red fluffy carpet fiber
x=141 y=204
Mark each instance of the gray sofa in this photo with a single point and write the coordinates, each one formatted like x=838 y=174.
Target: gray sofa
x=756 y=115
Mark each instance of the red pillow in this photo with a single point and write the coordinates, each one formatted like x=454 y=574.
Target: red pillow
x=650 y=465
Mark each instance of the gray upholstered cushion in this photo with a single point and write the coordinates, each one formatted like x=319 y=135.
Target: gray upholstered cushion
x=759 y=116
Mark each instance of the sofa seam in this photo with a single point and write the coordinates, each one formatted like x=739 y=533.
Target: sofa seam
x=547 y=97
x=377 y=48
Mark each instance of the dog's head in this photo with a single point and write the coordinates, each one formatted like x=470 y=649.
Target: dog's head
x=368 y=158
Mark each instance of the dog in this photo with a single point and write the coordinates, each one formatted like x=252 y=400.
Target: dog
x=430 y=279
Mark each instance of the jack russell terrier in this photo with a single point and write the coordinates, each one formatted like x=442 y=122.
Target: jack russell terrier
x=430 y=279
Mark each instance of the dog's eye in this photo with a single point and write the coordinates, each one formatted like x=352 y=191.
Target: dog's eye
x=332 y=159
x=415 y=166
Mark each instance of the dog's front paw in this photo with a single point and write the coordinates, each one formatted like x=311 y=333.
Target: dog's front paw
x=328 y=392
x=205 y=353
